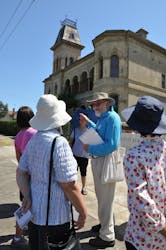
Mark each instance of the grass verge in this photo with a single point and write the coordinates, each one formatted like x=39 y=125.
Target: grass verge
x=6 y=141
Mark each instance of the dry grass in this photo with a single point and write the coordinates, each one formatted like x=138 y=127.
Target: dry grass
x=6 y=141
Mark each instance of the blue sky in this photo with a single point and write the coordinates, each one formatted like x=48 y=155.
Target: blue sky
x=26 y=58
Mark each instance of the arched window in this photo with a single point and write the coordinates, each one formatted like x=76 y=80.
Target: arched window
x=116 y=98
x=67 y=89
x=114 y=66
x=84 y=82
x=57 y=64
x=55 y=89
x=71 y=60
x=75 y=88
x=65 y=61
x=101 y=67
x=91 y=78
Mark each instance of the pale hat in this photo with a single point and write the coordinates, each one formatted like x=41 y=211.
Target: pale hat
x=51 y=113
x=146 y=116
x=96 y=96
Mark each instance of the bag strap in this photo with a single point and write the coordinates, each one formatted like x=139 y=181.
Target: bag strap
x=49 y=180
x=49 y=186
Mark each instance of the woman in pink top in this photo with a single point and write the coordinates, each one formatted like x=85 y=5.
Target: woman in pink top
x=145 y=171
x=24 y=114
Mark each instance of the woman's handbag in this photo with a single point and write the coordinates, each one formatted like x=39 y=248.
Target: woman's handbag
x=73 y=242
x=112 y=169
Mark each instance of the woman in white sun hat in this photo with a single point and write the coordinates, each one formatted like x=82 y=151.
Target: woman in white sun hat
x=145 y=171
x=51 y=114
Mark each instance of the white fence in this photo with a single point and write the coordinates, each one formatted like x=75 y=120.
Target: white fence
x=129 y=140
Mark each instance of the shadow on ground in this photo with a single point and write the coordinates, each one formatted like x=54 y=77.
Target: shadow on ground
x=5 y=238
x=119 y=231
x=7 y=210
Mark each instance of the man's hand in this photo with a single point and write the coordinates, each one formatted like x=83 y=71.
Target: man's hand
x=163 y=231
x=26 y=204
x=83 y=119
x=79 y=223
x=85 y=146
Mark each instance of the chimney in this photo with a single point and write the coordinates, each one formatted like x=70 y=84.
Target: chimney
x=142 y=33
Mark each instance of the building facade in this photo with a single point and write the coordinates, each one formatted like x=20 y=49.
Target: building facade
x=125 y=64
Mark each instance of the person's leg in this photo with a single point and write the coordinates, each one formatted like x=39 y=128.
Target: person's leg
x=37 y=237
x=105 y=197
x=83 y=163
x=19 y=231
x=129 y=246
x=18 y=239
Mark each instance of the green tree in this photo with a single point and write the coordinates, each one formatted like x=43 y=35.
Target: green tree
x=3 y=109
x=69 y=99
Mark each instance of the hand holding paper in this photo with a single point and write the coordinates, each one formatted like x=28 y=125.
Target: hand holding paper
x=91 y=137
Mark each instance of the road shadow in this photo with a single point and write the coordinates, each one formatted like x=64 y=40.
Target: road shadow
x=7 y=247
x=4 y=239
x=7 y=210
x=120 y=231
x=86 y=234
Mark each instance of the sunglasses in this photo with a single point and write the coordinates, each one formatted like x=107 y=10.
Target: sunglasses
x=97 y=104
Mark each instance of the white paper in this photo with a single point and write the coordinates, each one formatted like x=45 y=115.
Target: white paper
x=75 y=214
x=90 y=136
x=22 y=218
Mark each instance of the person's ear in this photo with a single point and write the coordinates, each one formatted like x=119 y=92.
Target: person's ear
x=108 y=103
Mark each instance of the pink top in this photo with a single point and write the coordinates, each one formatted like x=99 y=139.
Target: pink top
x=145 y=170
x=23 y=137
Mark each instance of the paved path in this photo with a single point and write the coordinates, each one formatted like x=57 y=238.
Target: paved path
x=9 y=202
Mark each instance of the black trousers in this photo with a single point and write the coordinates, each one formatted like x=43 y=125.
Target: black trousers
x=129 y=246
x=38 y=235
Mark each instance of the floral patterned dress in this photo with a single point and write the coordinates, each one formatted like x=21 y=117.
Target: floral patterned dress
x=145 y=171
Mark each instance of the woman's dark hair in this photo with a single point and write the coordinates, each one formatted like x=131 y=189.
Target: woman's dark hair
x=24 y=114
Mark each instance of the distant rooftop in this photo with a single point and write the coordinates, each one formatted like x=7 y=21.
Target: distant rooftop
x=69 y=22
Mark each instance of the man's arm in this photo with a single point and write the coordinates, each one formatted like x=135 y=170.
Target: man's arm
x=72 y=191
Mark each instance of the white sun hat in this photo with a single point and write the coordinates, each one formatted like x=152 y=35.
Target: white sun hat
x=51 y=113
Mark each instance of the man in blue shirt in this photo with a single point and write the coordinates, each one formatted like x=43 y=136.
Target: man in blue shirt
x=109 y=129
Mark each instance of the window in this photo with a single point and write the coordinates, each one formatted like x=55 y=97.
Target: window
x=67 y=87
x=101 y=68
x=71 y=60
x=114 y=66
x=116 y=98
x=57 y=64
x=163 y=81
x=75 y=89
x=84 y=82
x=65 y=61
x=55 y=89
x=91 y=78
x=71 y=35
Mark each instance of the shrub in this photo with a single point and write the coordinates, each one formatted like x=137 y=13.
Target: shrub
x=8 y=128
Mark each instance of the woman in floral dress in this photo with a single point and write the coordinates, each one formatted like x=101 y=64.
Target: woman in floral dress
x=145 y=171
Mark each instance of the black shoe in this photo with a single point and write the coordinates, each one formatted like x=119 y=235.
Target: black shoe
x=22 y=243
x=99 y=243
x=96 y=228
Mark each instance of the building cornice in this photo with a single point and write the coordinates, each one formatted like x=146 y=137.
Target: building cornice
x=128 y=34
x=72 y=44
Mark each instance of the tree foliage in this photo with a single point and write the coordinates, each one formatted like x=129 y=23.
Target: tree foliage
x=3 y=109
x=69 y=99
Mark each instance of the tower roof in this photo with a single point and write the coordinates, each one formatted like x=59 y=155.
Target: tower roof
x=68 y=33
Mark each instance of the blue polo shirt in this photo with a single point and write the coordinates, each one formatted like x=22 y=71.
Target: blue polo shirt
x=109 y=128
